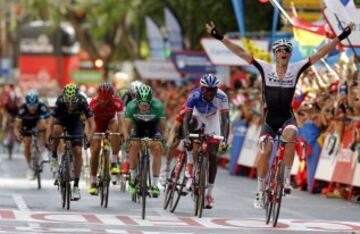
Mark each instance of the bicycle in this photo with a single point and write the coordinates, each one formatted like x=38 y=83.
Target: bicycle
x=9 y=139
x=143 y=175
x=104 y=174
x=201 y=168
x=175 y=183
x=124 y=176
x=36 y=160
x=65 y=174
x=274 y=182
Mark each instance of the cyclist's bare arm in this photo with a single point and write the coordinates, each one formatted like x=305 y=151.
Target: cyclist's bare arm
x=163 y=126
x=128 y=126
x=225 y=124
x=91 y=127
x=17 y=127
x=186 y=121
x=236 y=49
x=324 y=50
x=121 y=120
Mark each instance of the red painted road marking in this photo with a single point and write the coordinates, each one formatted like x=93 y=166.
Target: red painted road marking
x=7 y=214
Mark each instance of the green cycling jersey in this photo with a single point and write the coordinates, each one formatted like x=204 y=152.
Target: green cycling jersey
x=155 y=113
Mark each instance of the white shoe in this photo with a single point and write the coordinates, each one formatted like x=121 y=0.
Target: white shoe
x=30 y=174
x=259 y=201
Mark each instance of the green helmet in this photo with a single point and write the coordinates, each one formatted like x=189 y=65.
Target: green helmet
x=144 y=93
x=69 y=93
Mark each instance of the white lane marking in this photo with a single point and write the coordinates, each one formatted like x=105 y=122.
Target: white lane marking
x=21 y=204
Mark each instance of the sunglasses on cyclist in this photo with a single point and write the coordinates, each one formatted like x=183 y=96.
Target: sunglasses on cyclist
x=283 y=49
x=143 y=103
x=207 y=89
x=31 y=106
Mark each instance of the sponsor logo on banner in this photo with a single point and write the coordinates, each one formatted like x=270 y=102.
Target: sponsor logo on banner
x=192 y=62
x=156 y=70
x=39 y=45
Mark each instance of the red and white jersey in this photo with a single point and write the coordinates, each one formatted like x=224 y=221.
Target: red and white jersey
x=107 y=110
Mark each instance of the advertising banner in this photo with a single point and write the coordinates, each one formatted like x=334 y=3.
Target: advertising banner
x=239 y=133
x=338 y=14
x=156 y=70
x=192 y=63
x=220 y=55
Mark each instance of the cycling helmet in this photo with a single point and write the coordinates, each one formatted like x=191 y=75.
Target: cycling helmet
x=281 y=43
x=32 y=97
x=209 y=80
x=134 y=86
x=144 y=93
x=105 y=91
x=70 y=92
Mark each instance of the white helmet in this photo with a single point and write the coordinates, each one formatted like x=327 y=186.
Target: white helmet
x=134 y=86
x=281 y=43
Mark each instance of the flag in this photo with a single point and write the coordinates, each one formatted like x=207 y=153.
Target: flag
x=155 y=39
x=255 y=51
x=308 y=35
x=173 y=30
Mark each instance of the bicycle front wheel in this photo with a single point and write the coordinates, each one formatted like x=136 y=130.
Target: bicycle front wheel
x=144 y=187
x=38 y=178
x=68 y=195
x=269 y=194
x=203 y=180
x=279 y=187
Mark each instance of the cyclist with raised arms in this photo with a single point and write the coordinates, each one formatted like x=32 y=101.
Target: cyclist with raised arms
x=278 y=87
x=145 y=117
x=210 y=105
x=71 y=110
x=32 y=113
x=108 y=112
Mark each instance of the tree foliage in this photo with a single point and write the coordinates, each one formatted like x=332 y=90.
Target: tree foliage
x=120 y=24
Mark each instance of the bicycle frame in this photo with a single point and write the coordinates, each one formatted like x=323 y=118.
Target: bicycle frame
x=202 y=169
x=274 y=184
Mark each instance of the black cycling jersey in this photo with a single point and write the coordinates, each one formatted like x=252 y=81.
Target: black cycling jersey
x=42 y=112
x=62 y=113
x=278 y=92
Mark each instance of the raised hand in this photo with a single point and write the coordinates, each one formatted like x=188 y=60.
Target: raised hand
x=211 y=29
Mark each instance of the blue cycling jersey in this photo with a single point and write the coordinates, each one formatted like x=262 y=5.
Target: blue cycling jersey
x=196 y=100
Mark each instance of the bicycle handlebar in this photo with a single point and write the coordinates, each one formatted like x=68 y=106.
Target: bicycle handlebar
x=207 y=136
x=68 y=137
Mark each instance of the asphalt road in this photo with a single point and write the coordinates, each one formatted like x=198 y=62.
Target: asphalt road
x=25 y=209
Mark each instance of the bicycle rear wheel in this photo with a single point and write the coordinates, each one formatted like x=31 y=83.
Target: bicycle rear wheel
x=170 y=189
x=279 y=187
